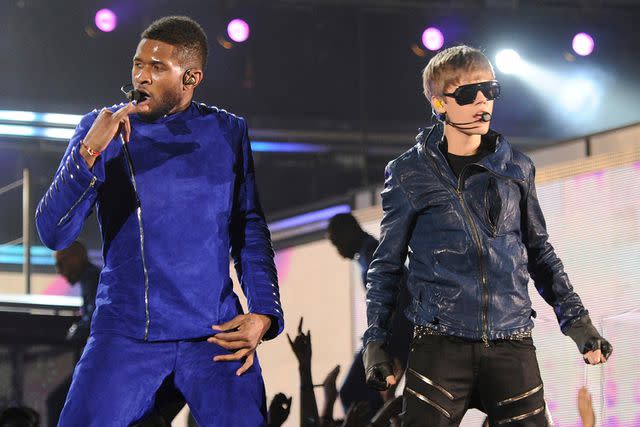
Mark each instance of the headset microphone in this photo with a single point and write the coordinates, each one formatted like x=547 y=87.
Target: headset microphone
x=131 y=93
x=485 y=117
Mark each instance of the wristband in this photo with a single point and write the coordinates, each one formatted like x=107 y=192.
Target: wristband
x=90 y=150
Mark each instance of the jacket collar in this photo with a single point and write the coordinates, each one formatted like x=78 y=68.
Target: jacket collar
x=500 y=161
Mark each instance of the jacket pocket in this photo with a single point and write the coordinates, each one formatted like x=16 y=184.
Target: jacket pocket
x=493 y=205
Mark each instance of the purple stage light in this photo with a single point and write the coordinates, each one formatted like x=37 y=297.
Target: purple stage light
x=432 y=38
x=583 y=44
x=238 y=30
x=106 y=20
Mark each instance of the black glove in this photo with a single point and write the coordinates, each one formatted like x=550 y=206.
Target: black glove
x=377 y=365
x=588 y=339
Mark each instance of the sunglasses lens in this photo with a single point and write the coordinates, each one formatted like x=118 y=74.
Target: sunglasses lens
x=466 y=94
x=491 y=90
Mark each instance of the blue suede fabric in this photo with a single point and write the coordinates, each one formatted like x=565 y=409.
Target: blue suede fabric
x=115 y=381
x=196 y=188
x=167 y=244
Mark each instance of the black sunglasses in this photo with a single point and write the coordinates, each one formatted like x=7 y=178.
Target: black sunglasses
x=466 y=94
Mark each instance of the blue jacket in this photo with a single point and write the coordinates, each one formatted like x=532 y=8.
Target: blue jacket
x=469 y=262
x=400 y=329
x=171 y=208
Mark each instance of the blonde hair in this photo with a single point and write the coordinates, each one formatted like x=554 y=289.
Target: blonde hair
x=448 y=67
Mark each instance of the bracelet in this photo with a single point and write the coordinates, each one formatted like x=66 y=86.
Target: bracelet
x=90 y=150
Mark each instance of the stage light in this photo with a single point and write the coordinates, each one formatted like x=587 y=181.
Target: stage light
x=106 y=20
x=579 y=95
x=238 y=30
x=508 y=61
x=583 y=44
x=432 y=38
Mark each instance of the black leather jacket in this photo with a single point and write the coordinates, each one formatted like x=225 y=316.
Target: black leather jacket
x=473 y=243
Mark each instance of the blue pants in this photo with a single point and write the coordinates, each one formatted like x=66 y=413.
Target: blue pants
x=116 y=379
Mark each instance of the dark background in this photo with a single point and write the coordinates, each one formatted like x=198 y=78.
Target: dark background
x=339 y=73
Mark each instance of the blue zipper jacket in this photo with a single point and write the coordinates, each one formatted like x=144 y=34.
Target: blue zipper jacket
x=172 y=207
x=473 y=242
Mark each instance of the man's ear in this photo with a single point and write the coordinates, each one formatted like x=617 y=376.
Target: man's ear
x=438 y=104
x=192 y=77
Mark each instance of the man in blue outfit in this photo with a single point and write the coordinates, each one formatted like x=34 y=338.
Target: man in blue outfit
x=174 y=188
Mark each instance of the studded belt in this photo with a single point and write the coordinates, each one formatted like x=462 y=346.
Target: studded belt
x=419 y=331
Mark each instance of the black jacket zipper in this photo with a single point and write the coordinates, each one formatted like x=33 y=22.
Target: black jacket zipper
x=476 y=238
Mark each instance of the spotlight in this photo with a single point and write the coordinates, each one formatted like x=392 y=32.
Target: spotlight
x=579 y=95
x=508 y=61
x=238 y=30
x=583 y=44
x=432 y=38
x=106 y=20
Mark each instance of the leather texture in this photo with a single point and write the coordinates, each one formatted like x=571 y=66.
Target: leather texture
x=473 y=243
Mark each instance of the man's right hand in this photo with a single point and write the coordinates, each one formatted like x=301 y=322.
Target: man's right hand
x=377 y=366
x=106 y=127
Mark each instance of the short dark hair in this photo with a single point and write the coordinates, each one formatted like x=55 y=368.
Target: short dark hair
x=182 y=32
x=343 y=223
x=75 y=249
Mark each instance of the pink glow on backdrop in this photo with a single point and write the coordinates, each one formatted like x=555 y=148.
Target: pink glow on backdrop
x=611 y=393
x=596 y=175
x=238 y=30
x=283 y=263
x=613 y=422
x=58 y=286
x=106 y=20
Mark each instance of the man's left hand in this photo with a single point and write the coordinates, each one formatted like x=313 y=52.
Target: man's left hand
x=594 y=357
x=595 y=349
x=243 y=333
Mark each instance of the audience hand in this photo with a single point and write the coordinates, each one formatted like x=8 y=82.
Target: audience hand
x=279 y=410
x=357 y=415
x=585 y=408
x=301 y=346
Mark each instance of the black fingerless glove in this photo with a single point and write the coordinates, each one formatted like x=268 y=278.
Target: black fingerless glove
x=377 y=365
x=587 y=337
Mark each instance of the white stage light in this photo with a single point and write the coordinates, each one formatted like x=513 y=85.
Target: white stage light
x=508 y=61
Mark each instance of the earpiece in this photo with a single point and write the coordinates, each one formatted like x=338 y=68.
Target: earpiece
x=188 y=79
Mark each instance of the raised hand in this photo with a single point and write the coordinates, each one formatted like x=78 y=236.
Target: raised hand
x=585 y=408
x=301 y=346
x=279 y=410
x=106 y=127
x=330 y=393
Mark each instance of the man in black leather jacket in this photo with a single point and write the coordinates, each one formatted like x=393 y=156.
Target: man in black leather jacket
x=462 y=205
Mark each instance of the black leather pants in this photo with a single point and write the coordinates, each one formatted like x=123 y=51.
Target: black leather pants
x=447 y=375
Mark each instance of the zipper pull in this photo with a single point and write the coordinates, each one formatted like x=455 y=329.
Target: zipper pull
x=485 y=340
